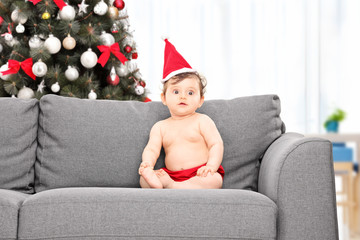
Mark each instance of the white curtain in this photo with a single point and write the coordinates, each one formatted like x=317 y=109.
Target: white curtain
x=305 y=51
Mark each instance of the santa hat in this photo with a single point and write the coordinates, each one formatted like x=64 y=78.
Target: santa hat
x=174 y=63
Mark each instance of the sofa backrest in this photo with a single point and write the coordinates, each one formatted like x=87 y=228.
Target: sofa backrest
x=99 y=143
x=18 y=135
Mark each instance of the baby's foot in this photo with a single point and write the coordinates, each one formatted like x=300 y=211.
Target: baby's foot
x=164 y=178
x=150 y=177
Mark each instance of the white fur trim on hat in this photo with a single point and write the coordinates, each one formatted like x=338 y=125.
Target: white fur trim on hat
x=182 y=70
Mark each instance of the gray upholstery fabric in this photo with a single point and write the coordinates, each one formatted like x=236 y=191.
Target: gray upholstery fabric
x=18 y=135
x=130 y=213
x=10 y=203
x=100 y=143
x=297 y=174
x=248 y=125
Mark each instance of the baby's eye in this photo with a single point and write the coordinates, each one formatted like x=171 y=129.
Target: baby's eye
x=191 y=93
x=176 y=92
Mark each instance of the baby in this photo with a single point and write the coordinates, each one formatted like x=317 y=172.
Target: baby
x=193 y=145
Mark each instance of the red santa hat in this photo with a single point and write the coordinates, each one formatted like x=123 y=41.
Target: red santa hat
x=174 y=63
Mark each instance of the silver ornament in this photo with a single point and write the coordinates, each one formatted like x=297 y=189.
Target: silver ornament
x=55 y=87
x=1 y=48
x=107 y=39
x=41 y=86
x=39 y=69
x=67 y=13
x=26 y=93
x=82 y=7
x=114 y=28
x=18 y=17
x=20 y=28
x=122 y=70
x=88 y=59
x=35 y=42
x=71 y=73
x=139 y=90
x=92 y=95
x=52 y=44
x=101 y=8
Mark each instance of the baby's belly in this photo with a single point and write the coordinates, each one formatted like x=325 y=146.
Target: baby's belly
x=180 y=159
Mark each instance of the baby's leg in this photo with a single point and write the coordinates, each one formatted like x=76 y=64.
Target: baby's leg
x=148 y=179
x=210 y=181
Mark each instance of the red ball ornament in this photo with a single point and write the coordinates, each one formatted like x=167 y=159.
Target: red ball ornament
x=143 y=84
x=113 y=79
x=134 y=55
x=128 y=49
x=120 y=4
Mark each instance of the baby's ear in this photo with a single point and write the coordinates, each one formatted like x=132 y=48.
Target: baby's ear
x=163 y=98
x=201 y=101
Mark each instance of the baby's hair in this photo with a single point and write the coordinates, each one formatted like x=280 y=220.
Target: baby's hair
x=181 y=76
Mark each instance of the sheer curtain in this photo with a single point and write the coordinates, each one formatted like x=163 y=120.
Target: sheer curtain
x=305 y=51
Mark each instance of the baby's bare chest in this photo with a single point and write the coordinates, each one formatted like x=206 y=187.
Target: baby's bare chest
x=182 y=134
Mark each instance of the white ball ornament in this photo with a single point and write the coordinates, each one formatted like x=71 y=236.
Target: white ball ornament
x=26 y=93
x=69 y=43
x=92 y=95
x=4 y=68
x=39 y=68
x=18 y=17
x=107 y=39
x=139 y=90
x=88 y=59
x=122 y=70
x=101 y=8
x=8 y=37
x=55 y=87
x=52 y=44
x=20 y=28
x=35 y=42
x=67 y=13
x=71 y=73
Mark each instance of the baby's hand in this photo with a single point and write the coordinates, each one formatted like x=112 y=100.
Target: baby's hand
x=144 y=165
x=204 y=170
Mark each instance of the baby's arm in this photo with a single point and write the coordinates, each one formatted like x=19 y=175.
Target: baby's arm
x=215 y=144
x=152 y=150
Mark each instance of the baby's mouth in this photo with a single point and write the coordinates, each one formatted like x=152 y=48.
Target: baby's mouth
x=182 y=104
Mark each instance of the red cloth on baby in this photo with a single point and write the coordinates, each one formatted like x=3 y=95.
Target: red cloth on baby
x=186 y=174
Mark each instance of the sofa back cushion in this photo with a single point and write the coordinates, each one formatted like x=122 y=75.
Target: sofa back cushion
x=18 y=141
x=99 y=143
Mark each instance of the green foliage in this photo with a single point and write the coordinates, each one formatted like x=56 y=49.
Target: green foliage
x=338 y=115
x=86 y=28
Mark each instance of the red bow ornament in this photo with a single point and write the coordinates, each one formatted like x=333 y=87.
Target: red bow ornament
x=114 y=49
x=59 y=3
x=14 y=67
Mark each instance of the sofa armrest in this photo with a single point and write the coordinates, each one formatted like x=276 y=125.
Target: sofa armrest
x=297 y=174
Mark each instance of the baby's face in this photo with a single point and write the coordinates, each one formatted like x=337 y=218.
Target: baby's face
x=183 y=98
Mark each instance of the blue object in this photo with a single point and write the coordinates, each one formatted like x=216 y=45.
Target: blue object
x=332 y=126
x=341 y=153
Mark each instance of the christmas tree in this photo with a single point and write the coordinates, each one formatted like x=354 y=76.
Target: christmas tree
x=75 y=48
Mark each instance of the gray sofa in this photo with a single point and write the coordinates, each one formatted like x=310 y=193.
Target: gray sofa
x=68 y=170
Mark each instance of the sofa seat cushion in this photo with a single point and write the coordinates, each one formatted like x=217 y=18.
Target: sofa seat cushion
x=123 y=213
x=10 y=203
